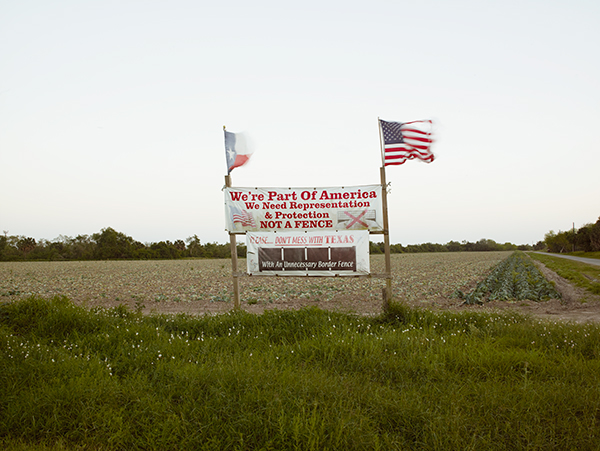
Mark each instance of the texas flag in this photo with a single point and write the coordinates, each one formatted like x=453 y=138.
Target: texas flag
x=236 y=150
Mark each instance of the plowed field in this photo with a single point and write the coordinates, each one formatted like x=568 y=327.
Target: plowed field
x=205 y=286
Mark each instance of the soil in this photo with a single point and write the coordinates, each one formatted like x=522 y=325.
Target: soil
x=202 y=287
x=576 y=304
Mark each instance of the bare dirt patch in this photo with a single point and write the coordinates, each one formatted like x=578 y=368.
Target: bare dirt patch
x=576 y=305
x=204 y=286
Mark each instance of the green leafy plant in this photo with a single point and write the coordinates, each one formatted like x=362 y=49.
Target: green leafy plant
x=515 y=278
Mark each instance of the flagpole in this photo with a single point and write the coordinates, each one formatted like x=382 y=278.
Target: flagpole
x=386 y=230
x=225 y=137
x=233 y=249
x=381 y=143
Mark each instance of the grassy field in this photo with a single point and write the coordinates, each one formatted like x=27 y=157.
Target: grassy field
x=581 y=274
x=106 y=367
x=585 y=254
x=309 y=379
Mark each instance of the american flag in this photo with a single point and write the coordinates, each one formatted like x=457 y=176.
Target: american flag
x=243 y=217
x=406 y=141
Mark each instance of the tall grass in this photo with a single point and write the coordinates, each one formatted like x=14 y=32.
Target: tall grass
x=113 y=379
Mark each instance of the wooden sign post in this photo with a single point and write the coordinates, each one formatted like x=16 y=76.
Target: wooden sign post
x=234 y=262
x=386 y=243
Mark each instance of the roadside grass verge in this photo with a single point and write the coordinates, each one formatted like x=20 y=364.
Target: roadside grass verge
x=113 y=379
x=581 y=274
x=585 y=254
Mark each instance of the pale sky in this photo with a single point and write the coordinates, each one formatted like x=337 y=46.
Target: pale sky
x=112 y=112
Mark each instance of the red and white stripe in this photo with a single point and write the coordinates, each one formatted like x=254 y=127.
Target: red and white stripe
x=417 y=143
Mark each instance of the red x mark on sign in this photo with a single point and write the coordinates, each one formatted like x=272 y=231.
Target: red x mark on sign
x=356 y=219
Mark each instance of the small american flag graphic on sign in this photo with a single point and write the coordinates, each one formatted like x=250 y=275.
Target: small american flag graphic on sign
x=242 y=217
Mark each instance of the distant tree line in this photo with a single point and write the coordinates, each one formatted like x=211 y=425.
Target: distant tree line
x=586 y=239
x=483 y=245
x=108 y=244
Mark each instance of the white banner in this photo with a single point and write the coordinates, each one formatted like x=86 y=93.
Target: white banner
x=303 y=209
x=308 y=253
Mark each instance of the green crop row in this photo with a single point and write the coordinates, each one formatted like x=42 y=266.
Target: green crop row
x=515 y=278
